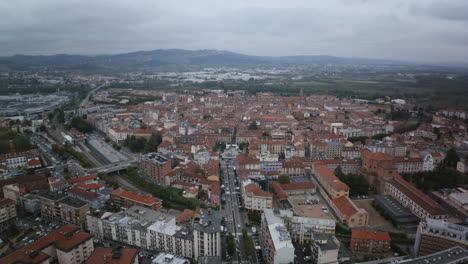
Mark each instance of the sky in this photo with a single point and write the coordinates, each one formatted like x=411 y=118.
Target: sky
x=410 y=30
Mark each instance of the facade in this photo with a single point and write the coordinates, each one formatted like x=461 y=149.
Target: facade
x=7 y=213
x=370 y=242
x=325 y=249
x=436 y=235
x=63 y=209
x=127 y=199
x=155 y=167
x=409 y=165
x=16 y=160
x=66 y=245
x=416 y=201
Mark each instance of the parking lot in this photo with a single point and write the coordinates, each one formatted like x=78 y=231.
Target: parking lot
x=311 y=206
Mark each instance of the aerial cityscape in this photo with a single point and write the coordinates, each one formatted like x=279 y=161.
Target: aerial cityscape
x=198 y=154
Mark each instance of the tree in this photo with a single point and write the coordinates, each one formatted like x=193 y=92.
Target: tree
x=153 y=142
x=22 y=143
x=231 y=247
x=284 y=179
x=253 y=126
x=80 y=124
x=43 y=128
x=452 y=158
x=4 y=146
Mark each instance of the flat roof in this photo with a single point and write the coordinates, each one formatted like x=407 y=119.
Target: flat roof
x=395 y=208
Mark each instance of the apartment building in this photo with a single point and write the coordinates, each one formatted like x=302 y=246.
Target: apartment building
x=116 y=255
x=273 y=147
x=94 y=199
x=302 y=229
x=326 y=150
x=293 y=168
x=275 y=239
x=412 y=198
x=333 y=187
x=66 y=245
x=325 y=249
x=347 y=165
x=128 y=199
x=155 y=167
x=370 y=242
x=7 y=213
x=153 y=230
x=255 y=198
x=63 y=209
x=435 y=235
x=408 y=165
x=23 y=159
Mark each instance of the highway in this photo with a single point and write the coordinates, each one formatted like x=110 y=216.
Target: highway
x=85 y=101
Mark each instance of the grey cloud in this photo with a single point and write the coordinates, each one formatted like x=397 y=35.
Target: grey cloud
x=418 y=31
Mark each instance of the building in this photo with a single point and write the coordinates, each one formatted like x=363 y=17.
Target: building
x=7 y=213
x=377 y=167
x=255 y=198
x=436 y=235
x=63 y=209
x=66 y=245
x=24 y=159
x=283 y=191
x=128 y=199
x=409 y=165
x=116 y=255
x=412 y=198
x=155 y=167
x=370 y=242
x=154 y=230
x=349 y=213
x=276 y=241
x=325 y=249
x=302 y=229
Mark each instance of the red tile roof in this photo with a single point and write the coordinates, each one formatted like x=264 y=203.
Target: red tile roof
x=82 y=178
x=346 y=206
x=257 y=191
x=105 y=256
x=88 y=195
x=330 y=178
x=370 y=235
x=64 y=238
x=136 y=197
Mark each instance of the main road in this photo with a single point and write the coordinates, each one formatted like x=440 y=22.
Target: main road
x=234 y=220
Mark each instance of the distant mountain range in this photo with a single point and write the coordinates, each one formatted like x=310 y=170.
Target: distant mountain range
x=170 y=60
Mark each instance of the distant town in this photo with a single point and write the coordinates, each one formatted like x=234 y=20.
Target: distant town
x=233 y=165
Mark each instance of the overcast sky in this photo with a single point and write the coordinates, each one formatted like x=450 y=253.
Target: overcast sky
x=415 y=30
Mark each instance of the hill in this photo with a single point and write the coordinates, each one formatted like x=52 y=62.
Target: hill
x=168 y=60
